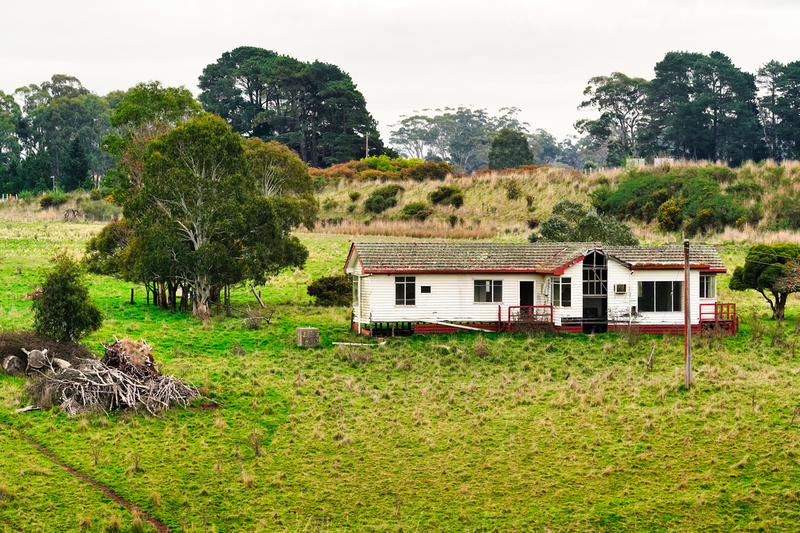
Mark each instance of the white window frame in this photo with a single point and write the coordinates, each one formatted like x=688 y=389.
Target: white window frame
x=492 y=289
x=708 y=286
x=558 y=286
x=405 y=281
x=676 y=296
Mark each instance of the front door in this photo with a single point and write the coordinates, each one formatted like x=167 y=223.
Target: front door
x=526 y=293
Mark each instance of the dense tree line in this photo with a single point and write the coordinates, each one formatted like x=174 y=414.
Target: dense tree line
x=313 y=108
x=697 y=106
x=59 y=134
x=50 y=135
x=463 y=137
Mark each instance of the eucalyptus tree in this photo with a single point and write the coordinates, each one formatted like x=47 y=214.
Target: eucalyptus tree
x=621 y=101
x=218 y=226
x=145 y=111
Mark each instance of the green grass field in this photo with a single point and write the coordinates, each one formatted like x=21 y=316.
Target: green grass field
x=470 y=432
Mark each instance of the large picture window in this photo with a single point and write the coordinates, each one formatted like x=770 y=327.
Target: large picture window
x=708 y=286
x=562 y=292
x=660 y=296
x=404 y=290
x=488 y=290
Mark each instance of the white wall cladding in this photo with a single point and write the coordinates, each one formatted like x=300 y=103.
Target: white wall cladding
x=619 y=305
x=451 y=298
x=654 y=318
x=575 y=310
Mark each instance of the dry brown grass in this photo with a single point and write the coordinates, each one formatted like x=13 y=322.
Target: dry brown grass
x=430 y=229
x=749 y=235
x=487 y=211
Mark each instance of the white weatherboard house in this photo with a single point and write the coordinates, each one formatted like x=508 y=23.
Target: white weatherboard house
x=403 y=288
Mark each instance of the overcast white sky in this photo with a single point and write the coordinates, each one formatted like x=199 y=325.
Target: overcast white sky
x=404 y=55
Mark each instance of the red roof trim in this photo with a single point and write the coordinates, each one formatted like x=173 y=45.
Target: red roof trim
x=504 y=271
x=560 y=270
x=668 y=267
x=714 y=271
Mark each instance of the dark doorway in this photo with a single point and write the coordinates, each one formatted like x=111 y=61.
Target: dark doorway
x=595 y=293
x=526 y=293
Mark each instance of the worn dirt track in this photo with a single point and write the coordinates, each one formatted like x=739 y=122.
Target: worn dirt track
x=155 y=522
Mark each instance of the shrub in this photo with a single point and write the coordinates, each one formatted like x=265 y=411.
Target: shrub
x=64 y=311
x=428 y=171
x=100 y=209
x=416 y=210
x=381 y=162
x=54 y=199
x=452 y=220
x=591 y=227
x=354 y=196
x=787 y=211
x=723 y=174
x=382 y=198
x=329 y=204
x=332 y=290
x=570 y=210
x=695 y=190
x=99 y=194
x=379 y=204
x=384 y=163
x=447 y=195
x=513 y=190
x=745 y=189
x=372 y=175
x=669 y=216
x=352 y=208
x=387 y=190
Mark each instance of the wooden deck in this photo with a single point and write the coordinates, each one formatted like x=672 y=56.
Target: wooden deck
x=714 y=317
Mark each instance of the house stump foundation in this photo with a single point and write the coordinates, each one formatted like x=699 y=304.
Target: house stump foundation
x=308 y=337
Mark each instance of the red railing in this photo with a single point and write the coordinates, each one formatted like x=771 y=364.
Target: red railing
x=528 y=315
x=721 y=315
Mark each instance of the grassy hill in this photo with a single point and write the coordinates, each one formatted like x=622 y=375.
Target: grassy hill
x=468 y=432
x=754 y=203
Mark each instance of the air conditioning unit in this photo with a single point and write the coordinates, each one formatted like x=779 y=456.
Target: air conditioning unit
x=620 y=288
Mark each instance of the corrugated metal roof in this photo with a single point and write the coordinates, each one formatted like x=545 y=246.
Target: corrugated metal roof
x=517 y=257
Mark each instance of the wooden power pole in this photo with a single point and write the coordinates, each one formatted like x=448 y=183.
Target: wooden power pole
x=687 y=314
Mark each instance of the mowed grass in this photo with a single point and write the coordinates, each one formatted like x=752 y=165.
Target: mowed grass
x=469 y=432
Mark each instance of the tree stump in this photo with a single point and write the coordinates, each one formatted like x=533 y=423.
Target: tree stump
x=36 y=358
x=13 y=365
x=308 y=337
x=60 y=363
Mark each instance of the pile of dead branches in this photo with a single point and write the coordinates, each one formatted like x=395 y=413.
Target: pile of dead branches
x=126 y=377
